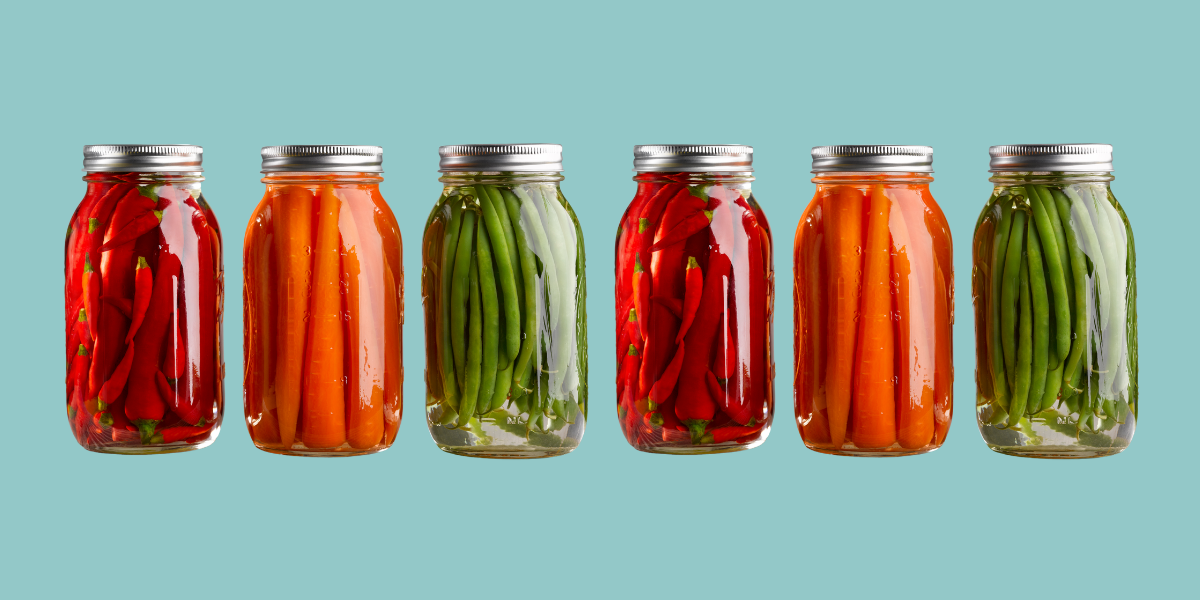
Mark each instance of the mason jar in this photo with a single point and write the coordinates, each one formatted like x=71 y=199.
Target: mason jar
x=144 y=301
x=873 y=305
x=1055 y=293
x=323 y=305
x=694 y=299
x=502 y=280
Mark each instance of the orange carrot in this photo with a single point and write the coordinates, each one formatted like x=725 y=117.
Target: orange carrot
x=367 y=360
x=874 y=404
x=260 y=314
x=943 y=370
x=844 y=236
x=324 y=406
x=393 y=373
x=293 y=213
x=915 y=404
x=809 y=311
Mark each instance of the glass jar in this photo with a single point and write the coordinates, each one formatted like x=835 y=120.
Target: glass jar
x=694 y=297
x=323 y=305
x=874 y=305
x=144 y=301
x=502 y=280
x=1055 y=305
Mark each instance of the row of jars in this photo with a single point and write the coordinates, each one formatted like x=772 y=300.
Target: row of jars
x=503 y=289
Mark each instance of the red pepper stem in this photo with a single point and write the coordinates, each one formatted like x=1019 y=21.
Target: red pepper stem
x=696 y=426
x=146 y=429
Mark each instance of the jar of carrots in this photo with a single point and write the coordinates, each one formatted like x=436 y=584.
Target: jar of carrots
x=323 y=305
x=502 y=278
x=1055 y=305
x=874 y=305
x=144 y=297
x=694 y=298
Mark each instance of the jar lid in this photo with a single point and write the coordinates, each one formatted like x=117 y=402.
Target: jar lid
x=907 y=159
x=1051 y=157
x=142 y=158
x=500 y=157
x=689 y=157
x=353 y=159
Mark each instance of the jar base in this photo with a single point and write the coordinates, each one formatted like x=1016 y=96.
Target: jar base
x=692 y=450
x=879 y=452
x=146 y=450
x=1056 y=452
x=505 y=452
x=326 y=452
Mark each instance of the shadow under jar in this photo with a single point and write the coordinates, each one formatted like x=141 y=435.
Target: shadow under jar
x=873 y=305
x=144 y=297
x=1055 y=305
x=502 y=279
x=694 y=298
x=323 y=305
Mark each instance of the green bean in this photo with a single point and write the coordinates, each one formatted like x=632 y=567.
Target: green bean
x=463 y=259
x=1041 y=321
x=564 y=342
x=1114 y=339
x=529 y=275
x=531 y=220
x=1053 y=382
x=1079 y=280
x=503 y=381
x=1013 y=259
x=999 y=246
x=1024 y=351
x=1039 y=200
x=449 y=248
x=474 y=350
x=489 y=198
x=1092 y=248
x=491 y=318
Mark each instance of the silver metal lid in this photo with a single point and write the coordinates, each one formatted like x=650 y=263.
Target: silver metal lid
x=1051 y=157
x=354 y=159
x=501 y=157
x=142 y=158
x=688 y=157
x=907 y=159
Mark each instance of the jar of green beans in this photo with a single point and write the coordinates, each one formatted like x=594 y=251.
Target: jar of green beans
x=502 y=281
x=1055 y=294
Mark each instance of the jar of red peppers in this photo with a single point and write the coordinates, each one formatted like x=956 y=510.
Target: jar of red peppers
x=144 y=297
x=873 y=305
x=694 y=297
x=323 y=305
x=1055 y=292
x=503 y=284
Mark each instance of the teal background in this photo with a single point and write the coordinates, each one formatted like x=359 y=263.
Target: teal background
x=598 y=78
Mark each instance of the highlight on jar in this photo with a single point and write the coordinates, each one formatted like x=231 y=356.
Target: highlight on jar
x=873 y=305
x=502 y=281
x=144 y=302
x=694 y=300
x=323 y=305
x=1055 y=305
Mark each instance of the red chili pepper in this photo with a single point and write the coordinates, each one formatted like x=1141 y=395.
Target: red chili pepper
x=627 y=241
x=103 y=209
x=175 y=360
x=77 y=375
x=195 y=399
x=729 y=434
x=681 y=208
x=641 y=294
x=675 y=305
x=695 y=405
x=714 y=387
x=629 y=364
x=143 y=281
x=91 y=293
x=134 y=229
x=686 y=228
x=623 y=340
x=82 y=333
x=146 y=403
x=666 y=384
x=116 y=384
x=693 y=284
x=179 y=434
x=725 y=356
x=631 y=330
x=648 y=220
x=164 y=386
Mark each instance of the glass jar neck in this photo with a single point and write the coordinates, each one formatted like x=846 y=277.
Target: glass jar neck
x=143 y=177
x=311 y=177
x=694 y=177
x=1006 y=178
x=868 y=177
x=457 y=178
